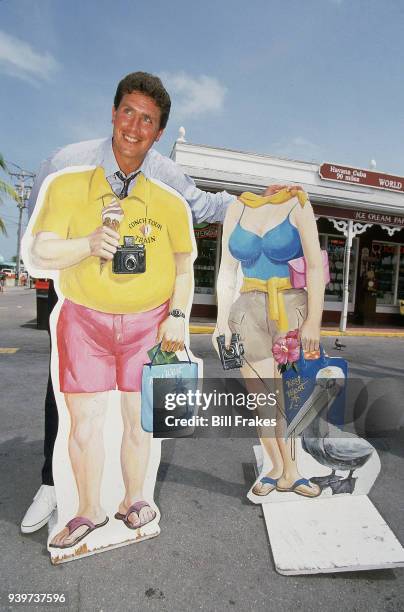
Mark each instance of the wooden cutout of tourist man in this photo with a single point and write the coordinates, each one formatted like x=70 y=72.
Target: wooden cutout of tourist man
x=109 y=321
x=76 y=228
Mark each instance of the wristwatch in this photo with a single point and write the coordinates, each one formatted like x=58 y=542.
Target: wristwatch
x=176 y=312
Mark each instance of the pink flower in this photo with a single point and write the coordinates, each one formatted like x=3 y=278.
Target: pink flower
x=293 y=349
x=280 y=351
x=294 y=333
x=286 y=350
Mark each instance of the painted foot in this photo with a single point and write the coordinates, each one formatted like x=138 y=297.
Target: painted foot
x=137 y=515
x=76 y=530
x=301 y=486
x=264 y=486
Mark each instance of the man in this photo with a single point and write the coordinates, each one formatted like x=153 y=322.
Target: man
x=137 y=125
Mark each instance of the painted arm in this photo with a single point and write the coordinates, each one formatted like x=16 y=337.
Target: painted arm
x=51 y=252
x=306 y=224
x=172 y=330
x=227 y=277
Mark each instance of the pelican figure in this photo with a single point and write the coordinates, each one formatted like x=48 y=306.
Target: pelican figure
x=326 y=443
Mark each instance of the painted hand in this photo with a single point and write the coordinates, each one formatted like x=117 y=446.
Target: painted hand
x=223 y=329
x=103 y=242
x=172 y=334
x=310 y=336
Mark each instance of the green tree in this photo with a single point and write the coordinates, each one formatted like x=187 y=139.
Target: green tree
x=7 y=190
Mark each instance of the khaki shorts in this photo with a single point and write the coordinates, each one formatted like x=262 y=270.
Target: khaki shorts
x=249 y=318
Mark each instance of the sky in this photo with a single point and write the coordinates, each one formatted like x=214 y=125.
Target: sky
x=316 y=80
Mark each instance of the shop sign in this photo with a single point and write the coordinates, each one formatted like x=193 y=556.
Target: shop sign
x=363 y=216
x=210 y=231
x=360 y=176
x=375 y=217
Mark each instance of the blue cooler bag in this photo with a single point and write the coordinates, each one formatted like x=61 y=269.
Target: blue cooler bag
x=180 y=378
x=301 y=381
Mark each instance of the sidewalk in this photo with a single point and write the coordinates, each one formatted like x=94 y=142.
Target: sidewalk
x=213 y=552
x=207 y=326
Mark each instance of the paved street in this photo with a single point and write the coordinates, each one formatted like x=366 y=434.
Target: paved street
x=213 y=553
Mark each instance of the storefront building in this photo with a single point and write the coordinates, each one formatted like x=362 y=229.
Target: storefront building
x=360 y=218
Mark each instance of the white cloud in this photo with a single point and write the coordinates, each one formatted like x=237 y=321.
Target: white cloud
x=297 y=148
x=19 y=59
x=194 y=95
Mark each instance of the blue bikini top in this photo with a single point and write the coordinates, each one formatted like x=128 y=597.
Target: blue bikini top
x=266 y=256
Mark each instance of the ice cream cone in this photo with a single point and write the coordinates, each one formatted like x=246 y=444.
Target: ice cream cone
x=112 y=216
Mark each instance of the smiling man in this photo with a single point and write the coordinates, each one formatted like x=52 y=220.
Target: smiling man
x=139 y=115
x=137 y=124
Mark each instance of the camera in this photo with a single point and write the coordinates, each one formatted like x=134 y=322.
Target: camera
x=130 y=258
x=231 y=357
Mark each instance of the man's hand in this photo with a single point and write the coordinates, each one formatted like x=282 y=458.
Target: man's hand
x=103 y=242
x=271 y=189
x=172 y=334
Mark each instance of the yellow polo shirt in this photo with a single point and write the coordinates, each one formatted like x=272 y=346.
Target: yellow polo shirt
x=73 y=209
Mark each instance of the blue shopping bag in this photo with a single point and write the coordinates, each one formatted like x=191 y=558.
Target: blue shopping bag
x=178 y=378
x=300 y=381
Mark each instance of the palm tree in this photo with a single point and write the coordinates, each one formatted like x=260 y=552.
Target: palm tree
x=6 y=189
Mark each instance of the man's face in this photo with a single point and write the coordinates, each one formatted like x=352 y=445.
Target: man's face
x=136 y=124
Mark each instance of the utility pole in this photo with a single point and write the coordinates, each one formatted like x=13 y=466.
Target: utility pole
x=21 y=177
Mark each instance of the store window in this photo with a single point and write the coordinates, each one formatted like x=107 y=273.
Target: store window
x=335 y=247
x=206 y=236
x=389 y=272
x=400 y=287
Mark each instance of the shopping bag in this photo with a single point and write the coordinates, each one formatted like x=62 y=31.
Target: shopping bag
x=177 y=378
x=309 y=381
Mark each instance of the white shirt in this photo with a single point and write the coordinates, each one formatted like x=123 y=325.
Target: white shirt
x=205 y=206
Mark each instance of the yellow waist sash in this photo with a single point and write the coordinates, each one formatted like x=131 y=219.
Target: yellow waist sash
x=273 y=287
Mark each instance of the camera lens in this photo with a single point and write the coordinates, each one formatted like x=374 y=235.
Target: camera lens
x=130 y=262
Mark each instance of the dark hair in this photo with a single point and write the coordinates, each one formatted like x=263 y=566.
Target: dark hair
x=149 y=85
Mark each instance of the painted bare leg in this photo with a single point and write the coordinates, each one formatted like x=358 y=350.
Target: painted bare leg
x=135 y=452
x=86 y=450
x=267 y=484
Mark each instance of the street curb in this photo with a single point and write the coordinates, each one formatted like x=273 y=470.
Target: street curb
x=208 y=329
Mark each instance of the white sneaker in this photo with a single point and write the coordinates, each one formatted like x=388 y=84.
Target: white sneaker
x=39 y=512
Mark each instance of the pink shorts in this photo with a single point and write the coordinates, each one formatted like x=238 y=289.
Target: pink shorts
x=100 y=351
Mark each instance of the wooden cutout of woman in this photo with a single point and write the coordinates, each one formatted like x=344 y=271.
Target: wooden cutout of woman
x=111 y=316
x=262 y=234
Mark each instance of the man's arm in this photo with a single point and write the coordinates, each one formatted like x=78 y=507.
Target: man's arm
x=45 y=169
x=205 y=206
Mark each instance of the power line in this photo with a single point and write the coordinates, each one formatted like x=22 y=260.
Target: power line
x=10 y=163
x=23 y=182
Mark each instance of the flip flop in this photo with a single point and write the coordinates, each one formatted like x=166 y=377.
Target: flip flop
x=136 y=507
x=298 y=483
x=271 y=486
x=75 y=523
